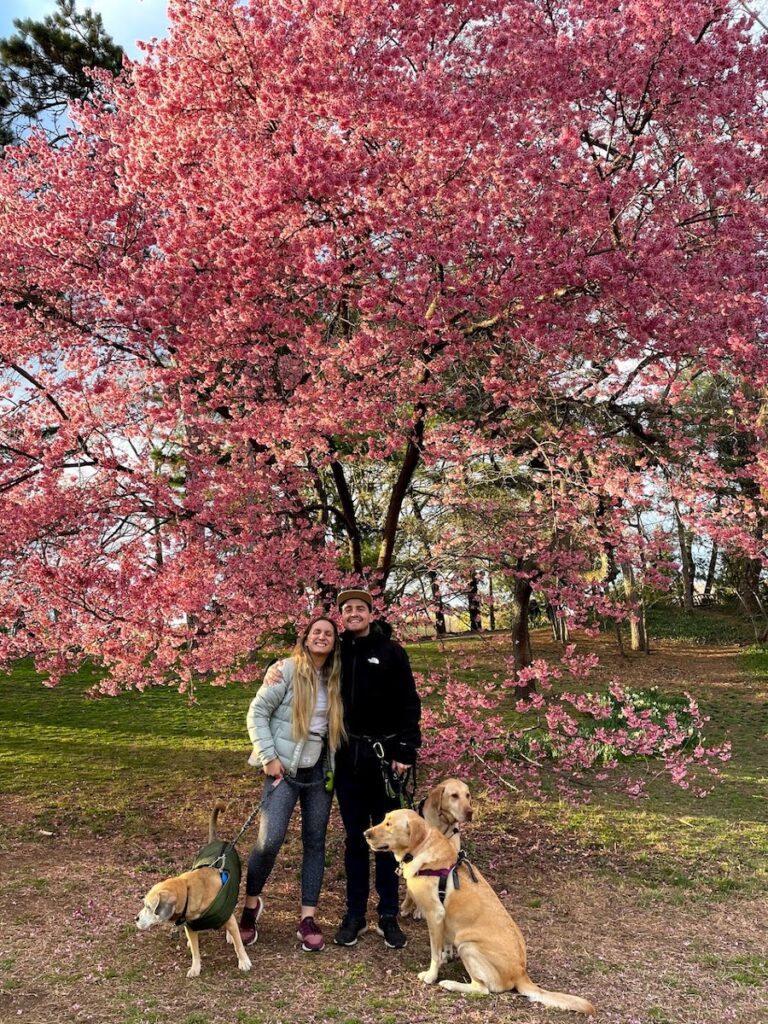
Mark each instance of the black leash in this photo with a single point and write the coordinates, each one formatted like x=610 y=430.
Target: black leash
x=219 y=862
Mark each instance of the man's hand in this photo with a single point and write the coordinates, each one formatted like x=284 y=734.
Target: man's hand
x=399 y=769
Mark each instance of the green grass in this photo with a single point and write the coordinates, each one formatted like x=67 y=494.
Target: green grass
x=755 y=661
x=706 y=627
x=136 y=763
x=745 y=970
x=675 y=845
x=716 y=846
x=99 y=762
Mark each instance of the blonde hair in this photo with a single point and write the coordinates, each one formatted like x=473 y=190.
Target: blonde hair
x=305 y=688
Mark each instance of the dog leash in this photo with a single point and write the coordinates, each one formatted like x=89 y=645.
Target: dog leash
x=219 y=862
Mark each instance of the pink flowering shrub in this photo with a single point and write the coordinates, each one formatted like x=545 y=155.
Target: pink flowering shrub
x=568 y=741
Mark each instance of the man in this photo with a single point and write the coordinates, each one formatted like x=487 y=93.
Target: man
x=381 y=714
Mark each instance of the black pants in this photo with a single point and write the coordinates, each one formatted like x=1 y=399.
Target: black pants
x=363 y=802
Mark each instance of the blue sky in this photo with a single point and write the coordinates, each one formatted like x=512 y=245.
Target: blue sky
x=125 y=20
x=129 y=20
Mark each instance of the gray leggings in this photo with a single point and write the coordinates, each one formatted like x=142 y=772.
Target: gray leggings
x=276 y=809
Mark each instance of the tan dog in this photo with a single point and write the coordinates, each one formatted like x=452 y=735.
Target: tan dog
x=446 y=807
x=472 y=918
x=190 y=895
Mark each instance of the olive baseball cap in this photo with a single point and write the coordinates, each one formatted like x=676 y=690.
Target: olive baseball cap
x=354 y=595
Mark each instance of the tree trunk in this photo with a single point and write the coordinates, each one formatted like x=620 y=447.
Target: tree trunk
x=437 y=601
x=521 y=637
x=559 y=624
x=434 y=580
x=687 y=566
x=711 y=570
x=411 y=459
x=350 y=516
x=325 y=595
x=475 y=607
x=491 y=609
x=638 y=634
x=746 y=576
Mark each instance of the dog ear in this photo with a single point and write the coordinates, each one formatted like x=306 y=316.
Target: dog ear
x=439 y=792
x=166 y=905
x=417 y=831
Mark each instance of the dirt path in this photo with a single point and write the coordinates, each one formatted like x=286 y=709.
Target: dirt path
x=70 y=953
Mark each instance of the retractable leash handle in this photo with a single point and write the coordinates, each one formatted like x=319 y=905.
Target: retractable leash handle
x=390 y=780
x=406 y=787
x=396 y=786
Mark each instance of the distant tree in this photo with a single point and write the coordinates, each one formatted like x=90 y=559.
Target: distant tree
x=45 y=65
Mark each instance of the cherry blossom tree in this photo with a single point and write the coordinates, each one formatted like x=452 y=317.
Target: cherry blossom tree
x=495 y=243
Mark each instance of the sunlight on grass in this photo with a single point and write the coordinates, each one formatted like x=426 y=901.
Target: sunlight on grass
x=81 y=761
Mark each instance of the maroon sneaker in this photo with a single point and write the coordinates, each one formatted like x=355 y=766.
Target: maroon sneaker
x=248 y=919
x=312 y=940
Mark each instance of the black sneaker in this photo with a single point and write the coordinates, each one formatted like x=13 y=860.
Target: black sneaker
x=349 y=930
x=394 y=937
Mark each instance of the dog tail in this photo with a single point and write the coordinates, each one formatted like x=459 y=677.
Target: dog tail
x=215 y=811
x=560 y=1000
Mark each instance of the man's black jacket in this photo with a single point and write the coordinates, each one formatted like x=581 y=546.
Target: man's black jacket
x=379 y=694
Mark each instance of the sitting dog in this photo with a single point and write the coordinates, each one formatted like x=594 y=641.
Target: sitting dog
x=186 y=898
x=469 y=915
x=445 y=807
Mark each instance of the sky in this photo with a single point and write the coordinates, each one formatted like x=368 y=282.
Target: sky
x=129 y=20
x=125 y=20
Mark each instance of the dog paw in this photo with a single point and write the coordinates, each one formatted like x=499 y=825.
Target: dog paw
x=193 y=972
x=428 y=977
x=244 y=965
x=418 y=915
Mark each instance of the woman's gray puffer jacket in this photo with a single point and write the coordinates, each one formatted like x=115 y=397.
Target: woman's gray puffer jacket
x=270 y=720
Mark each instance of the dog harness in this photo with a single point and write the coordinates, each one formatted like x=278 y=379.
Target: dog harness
x=224 y=857
x=444 y=873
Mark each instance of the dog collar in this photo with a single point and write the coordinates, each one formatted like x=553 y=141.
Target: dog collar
x=182 y=918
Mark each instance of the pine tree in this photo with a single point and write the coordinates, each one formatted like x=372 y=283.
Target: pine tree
x=44 y=66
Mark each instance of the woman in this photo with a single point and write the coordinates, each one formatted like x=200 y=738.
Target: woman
x=296 y=723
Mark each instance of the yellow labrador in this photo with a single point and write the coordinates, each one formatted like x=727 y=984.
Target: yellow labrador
x=471 y=917
x=189 y=895
x=446 y=807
